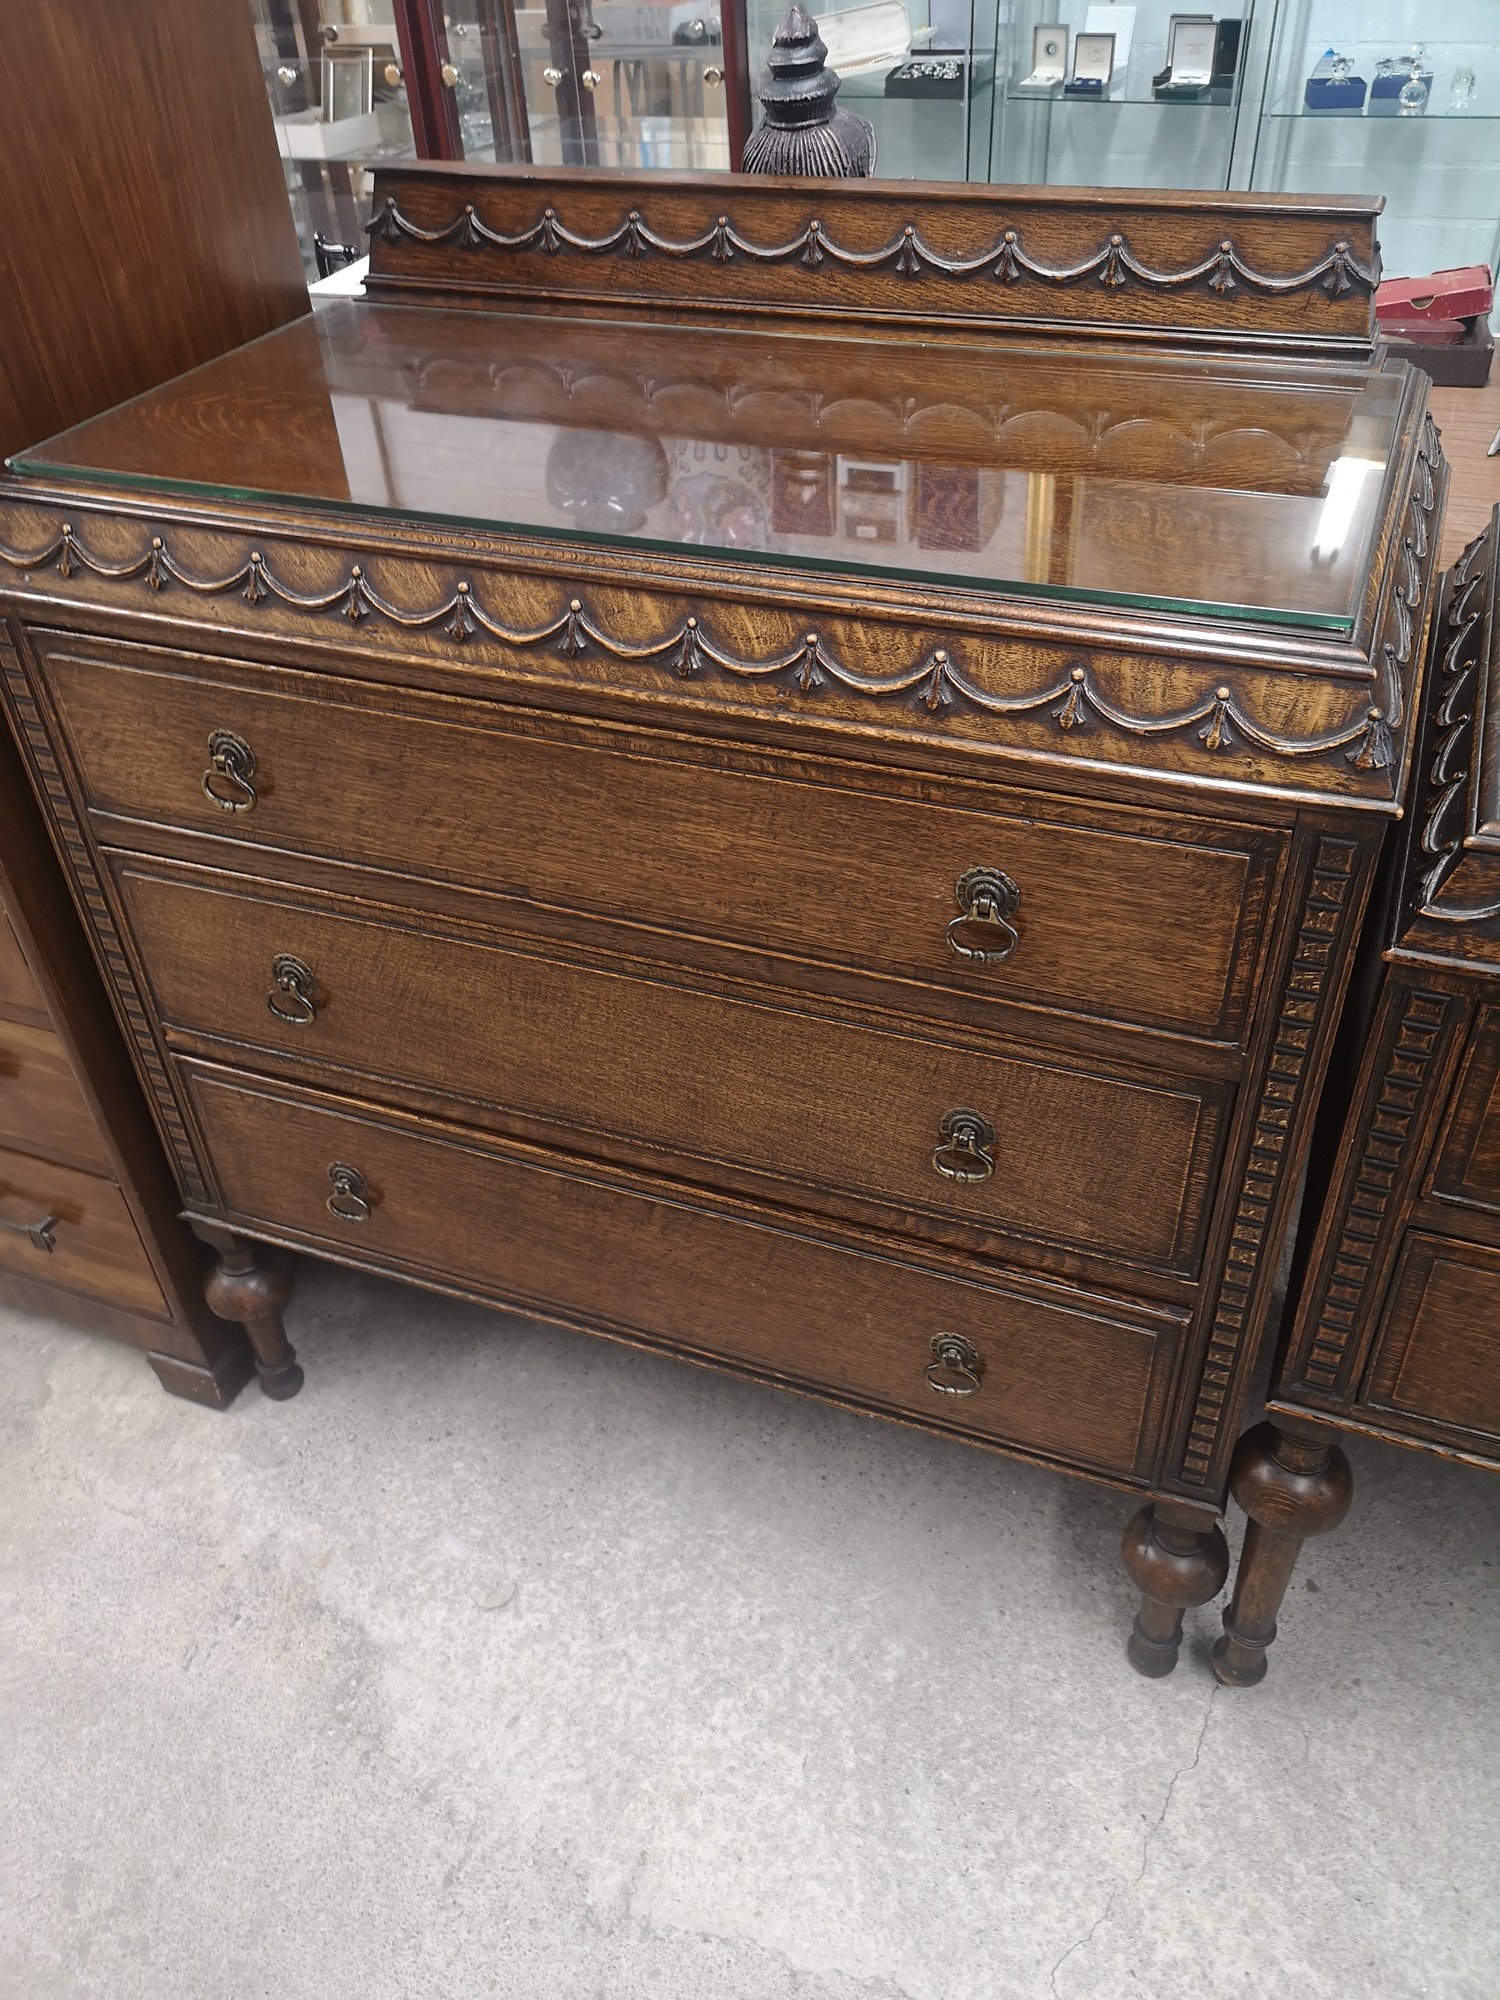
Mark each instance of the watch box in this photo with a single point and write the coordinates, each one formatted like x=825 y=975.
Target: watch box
x=1228 y=41
x=1333 y=88
x=1049 y=58
x=1093 y=66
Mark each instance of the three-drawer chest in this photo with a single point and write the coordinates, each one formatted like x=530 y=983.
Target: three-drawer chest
x=780 y=772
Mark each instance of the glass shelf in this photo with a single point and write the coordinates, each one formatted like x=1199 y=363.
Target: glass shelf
x=1222 y=102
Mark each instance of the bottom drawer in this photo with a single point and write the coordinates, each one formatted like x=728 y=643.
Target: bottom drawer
x=94 y=1247
x=1071 y=1380
x=1437 y=1356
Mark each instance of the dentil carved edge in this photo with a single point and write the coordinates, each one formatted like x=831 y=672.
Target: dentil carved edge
x=80 y=860
x=1216 y=722
x=1304 y=1000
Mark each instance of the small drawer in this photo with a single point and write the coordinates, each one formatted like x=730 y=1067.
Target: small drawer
x=1125 y=915
x=972 y=1141
x=1075 y=1377
x=17 y=987
x=41 y=1106
x=1437 y=1355
x=61 y=1227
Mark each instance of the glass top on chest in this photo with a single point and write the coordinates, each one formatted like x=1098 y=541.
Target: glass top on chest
x=1172 y=481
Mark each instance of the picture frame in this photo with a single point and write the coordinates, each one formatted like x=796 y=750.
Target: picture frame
x=348 y=84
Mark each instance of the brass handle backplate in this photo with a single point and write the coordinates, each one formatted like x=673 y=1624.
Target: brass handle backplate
x=983 y=933
x=966 y=1146
x=231 y=766
x=293 y=996
x=38 y=1234
x=350 y=1198
x=955 y=1368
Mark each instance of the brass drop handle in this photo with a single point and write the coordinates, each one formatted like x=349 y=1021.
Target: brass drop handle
x=983 y=932
x=38 y=1234
x=966 y=1146
x=293 y=997
x=350 y=1198
x=231 y=766
x=955 y=1368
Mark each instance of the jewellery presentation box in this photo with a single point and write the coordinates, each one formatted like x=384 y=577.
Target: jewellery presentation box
x=1049 y=58
x=1335 y=93
x=1093 y=66
x=1228 y=41
x=1192 y=43
x=1455 y=294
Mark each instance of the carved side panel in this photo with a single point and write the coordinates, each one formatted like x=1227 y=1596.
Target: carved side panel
x=1289 y=1065
x=1416 y=1028
x=106 y=939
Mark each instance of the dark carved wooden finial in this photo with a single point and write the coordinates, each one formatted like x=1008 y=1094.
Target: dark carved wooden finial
x=801 y=133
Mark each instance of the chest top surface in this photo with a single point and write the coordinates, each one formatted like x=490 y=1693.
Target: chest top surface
x=1178 y=452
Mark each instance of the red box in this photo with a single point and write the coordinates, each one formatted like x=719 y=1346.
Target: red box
x=1444 y=295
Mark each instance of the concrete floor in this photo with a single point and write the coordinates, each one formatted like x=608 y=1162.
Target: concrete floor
x=508 y=1662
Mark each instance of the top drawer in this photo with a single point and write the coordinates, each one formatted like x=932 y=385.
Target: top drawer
x=1127 y=916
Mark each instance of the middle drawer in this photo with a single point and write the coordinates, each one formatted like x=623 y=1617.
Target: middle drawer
x=978 y=1143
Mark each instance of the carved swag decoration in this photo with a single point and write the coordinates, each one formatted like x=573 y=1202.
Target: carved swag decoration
x=935 y=681
x=1007 y=260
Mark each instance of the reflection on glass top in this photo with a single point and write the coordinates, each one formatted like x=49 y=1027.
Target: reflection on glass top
x=1172 y=481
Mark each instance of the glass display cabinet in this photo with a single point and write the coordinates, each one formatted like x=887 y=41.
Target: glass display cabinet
x=921 y=71
x=628 y=83
x=1407 y=105
x=1168 y=109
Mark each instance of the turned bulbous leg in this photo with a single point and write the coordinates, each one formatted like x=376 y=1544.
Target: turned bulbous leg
x=1292 y=1481
x=1176 y=1561
x=251 y=1284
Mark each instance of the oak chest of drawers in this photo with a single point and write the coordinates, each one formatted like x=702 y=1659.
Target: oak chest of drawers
x=1394 y=1324
x=790 y=774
